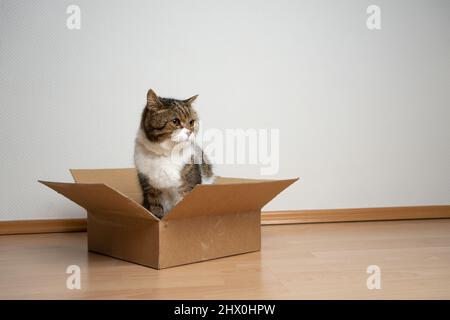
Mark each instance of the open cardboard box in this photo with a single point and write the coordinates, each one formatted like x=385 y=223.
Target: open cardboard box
x=212 y=221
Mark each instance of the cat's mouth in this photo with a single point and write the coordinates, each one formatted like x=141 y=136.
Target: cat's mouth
x=182 y=135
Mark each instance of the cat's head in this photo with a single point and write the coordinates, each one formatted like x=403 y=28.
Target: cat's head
x=169 y=119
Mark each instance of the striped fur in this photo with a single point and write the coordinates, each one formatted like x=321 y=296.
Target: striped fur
x=165 y=124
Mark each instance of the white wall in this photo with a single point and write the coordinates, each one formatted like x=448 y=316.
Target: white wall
x=363 y=115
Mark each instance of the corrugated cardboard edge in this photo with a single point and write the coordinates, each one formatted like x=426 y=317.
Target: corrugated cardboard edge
x=193 y=201
x=57 y=186
x=236 y=197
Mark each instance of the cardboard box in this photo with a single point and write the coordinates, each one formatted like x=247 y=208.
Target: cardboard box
x=212 y=221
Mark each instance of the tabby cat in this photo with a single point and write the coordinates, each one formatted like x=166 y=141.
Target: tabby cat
x=168 y=161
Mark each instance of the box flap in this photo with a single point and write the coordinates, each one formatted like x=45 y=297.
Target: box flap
x=227 y=198
x=100 y=197
x=228 y=180
x=124 y=180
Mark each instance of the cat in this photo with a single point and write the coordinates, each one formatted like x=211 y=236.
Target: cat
x=168 y=161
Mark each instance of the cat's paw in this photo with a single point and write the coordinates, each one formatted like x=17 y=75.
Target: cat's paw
x=157 y=210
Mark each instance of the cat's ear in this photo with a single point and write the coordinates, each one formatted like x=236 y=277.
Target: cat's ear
x=152 y=99
x=191 y=99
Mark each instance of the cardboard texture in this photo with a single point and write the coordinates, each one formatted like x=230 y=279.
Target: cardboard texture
x=212 y=221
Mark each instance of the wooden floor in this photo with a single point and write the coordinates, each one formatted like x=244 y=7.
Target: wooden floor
x=325 y=261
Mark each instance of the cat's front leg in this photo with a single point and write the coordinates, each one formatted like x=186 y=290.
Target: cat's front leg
x=152 y=202
x=156 y=209
x=151 y=196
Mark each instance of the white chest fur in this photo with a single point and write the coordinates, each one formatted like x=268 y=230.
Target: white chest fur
x=162 y=166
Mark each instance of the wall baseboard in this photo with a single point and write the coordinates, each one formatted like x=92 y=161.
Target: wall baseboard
x=355 y=214
x=267 y=218
x=42 y=226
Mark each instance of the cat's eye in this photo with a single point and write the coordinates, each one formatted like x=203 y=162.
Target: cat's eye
x=176 y=121
x=192 y=122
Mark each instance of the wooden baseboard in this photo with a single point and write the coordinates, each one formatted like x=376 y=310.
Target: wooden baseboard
x=42 y=226
x=355 y=214
x=267 y=218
